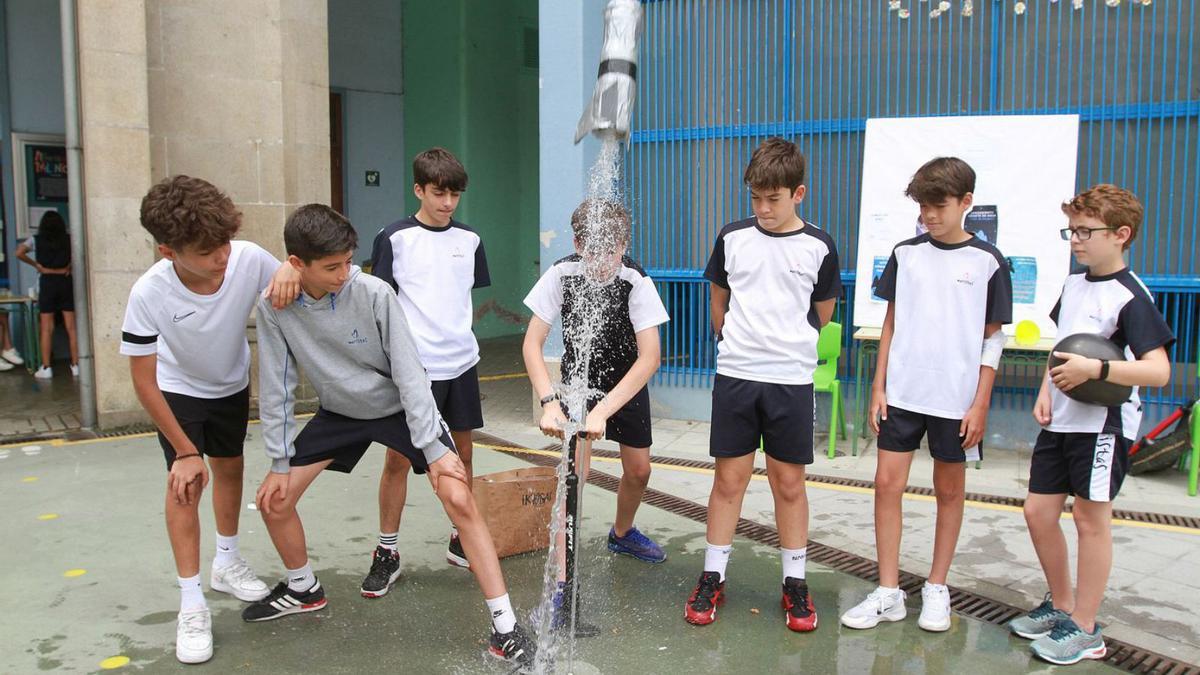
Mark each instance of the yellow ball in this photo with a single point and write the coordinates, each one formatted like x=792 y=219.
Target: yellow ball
x=1027 y=333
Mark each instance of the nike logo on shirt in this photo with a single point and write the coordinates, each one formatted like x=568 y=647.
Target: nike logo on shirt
x=176 y=318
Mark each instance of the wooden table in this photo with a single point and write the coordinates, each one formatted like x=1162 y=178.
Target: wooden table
x=29 y=314
x=867 y=340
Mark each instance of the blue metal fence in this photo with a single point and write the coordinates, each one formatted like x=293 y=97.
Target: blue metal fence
x=718 y=76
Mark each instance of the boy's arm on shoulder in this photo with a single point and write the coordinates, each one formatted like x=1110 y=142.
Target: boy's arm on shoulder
x=277 y=379
x=412 y=382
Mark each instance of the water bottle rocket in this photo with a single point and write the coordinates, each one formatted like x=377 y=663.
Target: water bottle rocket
x=608 y=113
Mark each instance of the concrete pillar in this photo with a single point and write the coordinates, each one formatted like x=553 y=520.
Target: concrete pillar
x=233 y=91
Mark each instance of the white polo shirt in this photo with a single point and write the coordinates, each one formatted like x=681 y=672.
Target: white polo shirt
x=1119 y=307
x=433 y=270
x=944 y=295
x=200 y=340
x=771 y=328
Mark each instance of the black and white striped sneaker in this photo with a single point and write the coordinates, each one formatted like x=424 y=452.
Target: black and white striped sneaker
x=283 y=601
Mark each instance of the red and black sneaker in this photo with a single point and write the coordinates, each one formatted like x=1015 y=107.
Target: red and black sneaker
x=797 y=605
x=701 y=607
x=283 y=601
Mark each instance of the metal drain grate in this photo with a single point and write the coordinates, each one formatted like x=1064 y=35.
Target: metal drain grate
x=1135 y=516
x=1120 y=654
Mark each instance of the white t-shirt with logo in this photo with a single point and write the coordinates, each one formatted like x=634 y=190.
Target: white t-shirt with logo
x=200 y=340
x=1119 y=307
x=944 y=295
x=433 y=270
x=771 y=329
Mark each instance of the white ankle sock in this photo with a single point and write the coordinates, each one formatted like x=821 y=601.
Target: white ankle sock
x=389 y=541
x=716 y=558
x=503 y=617
x=227 y=550
x=301 y=580
x=793 y=562
x=190 y=595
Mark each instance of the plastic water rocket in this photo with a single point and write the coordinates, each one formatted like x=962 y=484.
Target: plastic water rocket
x=611 y=108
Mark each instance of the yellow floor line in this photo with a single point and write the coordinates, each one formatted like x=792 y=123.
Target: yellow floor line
x=849 y=488
x=506 y=376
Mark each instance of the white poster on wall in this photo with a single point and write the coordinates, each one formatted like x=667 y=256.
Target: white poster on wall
x=1025 y=169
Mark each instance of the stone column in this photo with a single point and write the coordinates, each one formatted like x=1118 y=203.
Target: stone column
x=115 y=134
x=232 y=91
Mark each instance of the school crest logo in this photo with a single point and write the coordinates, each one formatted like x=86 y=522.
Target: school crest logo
x=355 y=338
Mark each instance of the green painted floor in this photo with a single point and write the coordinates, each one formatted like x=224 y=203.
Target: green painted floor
x=106 y=499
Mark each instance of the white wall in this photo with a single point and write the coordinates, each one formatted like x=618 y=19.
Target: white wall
x=365 y=67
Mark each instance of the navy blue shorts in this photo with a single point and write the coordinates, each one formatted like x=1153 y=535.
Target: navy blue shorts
x=216 y=426
x=1089 y=466
x=903 y=430
x=344 y=440
x=746 y=412
x=459 y=401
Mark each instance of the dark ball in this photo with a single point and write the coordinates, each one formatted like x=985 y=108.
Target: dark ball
x=1095 y=392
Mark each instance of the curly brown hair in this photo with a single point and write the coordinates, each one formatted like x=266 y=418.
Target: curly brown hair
x=185 y=212
x=1115 y=207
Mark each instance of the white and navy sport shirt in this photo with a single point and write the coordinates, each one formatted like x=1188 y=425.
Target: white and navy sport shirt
x=626 y=306
x=771 y=328
x=433 y=270
x=200 y=340
x=1119 y=307
x=943 y=297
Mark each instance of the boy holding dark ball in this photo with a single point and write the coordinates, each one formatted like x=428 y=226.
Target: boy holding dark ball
x=1083 y=448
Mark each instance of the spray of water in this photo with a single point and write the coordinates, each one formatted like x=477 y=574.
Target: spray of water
x=600 y=266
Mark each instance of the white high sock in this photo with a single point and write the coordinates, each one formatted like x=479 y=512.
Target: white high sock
x=388 y=541
x=190 y=595
x=793 y=562
x=504 y=620
x=716 y=558
x=301 y=580
x=227 y=550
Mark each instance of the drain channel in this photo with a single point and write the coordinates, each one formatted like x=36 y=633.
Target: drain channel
x=1120 y=654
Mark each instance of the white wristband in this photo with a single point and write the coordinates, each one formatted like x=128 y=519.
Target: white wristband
x=993 y=347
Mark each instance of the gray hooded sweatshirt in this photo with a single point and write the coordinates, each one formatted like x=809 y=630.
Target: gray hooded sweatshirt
x=357 y=351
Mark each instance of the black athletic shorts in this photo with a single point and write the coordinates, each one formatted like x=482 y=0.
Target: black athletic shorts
x=630 y=424
x=55 y=294
x=329 y=435
x=1089 y=466
x=903 y=430
x=216 y=426
x=459 y=402
x=746 y=412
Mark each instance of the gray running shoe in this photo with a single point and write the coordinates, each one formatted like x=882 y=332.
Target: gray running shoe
x=1037 y=623
x=1067 y=643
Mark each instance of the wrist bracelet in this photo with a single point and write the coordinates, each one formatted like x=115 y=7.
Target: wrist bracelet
x=548 y=398
x=1103 y=370
x=179 y=457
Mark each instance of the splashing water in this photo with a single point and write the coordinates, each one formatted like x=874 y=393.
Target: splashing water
x=601 y=261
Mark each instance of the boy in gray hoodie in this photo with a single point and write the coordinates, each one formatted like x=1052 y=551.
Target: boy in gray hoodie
x=348 y=332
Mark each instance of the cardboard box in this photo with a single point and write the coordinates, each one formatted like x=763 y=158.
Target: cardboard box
x=516 y=505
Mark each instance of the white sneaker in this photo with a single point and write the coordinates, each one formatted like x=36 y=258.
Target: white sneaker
x=239 y=581
x=5 y=365
x=883 y=604
x=44 y=373
x=193 y=636
x=12 y=356
x=935 y=608
x=74 y=370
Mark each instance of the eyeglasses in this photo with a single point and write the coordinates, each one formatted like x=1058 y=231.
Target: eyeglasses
x=1081 y=233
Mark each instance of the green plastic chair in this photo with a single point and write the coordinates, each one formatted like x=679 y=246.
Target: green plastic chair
x=829 y=350
x=1194 y=469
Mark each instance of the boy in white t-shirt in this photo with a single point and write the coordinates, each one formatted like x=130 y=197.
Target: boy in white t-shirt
x=185 y=334
x=433 y=262
x=775 y=282
x=948 y=295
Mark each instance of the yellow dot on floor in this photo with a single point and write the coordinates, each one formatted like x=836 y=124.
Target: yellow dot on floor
x=48 y=516
x=74 y=573
x=114 y=662
x=29 y=479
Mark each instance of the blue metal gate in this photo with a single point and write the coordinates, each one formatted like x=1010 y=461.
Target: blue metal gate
x=718 y=76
